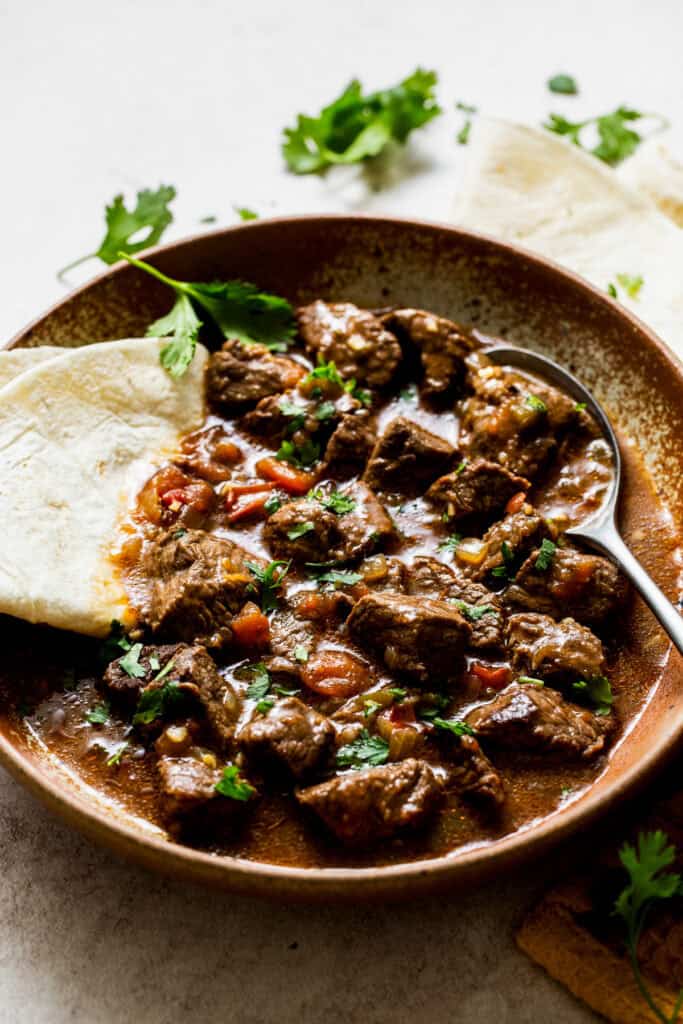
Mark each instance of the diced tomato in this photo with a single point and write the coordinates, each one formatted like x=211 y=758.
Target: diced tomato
x=250 y=627
x=336 y=674
x=290 y=479
x=515 y=503
x=495 y=676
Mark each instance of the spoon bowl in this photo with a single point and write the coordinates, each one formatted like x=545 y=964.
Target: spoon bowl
x=601 y=529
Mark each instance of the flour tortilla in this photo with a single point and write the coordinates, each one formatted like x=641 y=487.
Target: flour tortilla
x=653 y=171
x=79 y=434
x=531 y=187
x=17 y=360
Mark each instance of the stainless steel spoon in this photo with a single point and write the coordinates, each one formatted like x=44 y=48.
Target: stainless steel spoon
x=600 y=530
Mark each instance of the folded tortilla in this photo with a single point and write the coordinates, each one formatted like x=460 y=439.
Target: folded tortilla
x=17 y=360
x=528 y=186
x=654 y=171
x=79 y=434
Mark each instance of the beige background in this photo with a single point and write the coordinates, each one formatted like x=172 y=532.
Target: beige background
x=96 y=98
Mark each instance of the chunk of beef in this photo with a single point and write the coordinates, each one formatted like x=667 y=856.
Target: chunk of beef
x=429 y=577
x=192 y=669
x=442 y=346
x=190 y=802
x=283 y=415
x=192 y=584
x=472 y=774
x=515 y=420
x=350 y=444
x=414 y=636
x=364 y=806
x=587 y=587
x=308 y=531
x=477 y=489
x=291 y=736
x=353 y=339
x=407 y=458
x=562 y=650
x=520 y=532
x=239 y=375
x=382 y=573
x=529 y=717
x=288 y=631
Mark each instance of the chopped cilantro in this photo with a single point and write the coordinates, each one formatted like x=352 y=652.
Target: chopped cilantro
x=453 y=725
x=451 y=543
x=356 y=126
x=301 y=653
x=98 y=715
x=463 y=136
x=154 y=663
x=334 y=501
x=244 y=213
x=234 y=786
x=580 y=407
x=370 y=707
x=364 y=751
x=283 y=691
x=612 y=290
x=339 y=578
x=264 y=706
x=302 y=456
x=296 y=414
x=530 y=680
x=300 y=530
x=598 y=691
x=116 y=642
x=545 y=556
x=130 y=662
x=409 y=394
x=325 y=411
x=631 y=283
x=398 y=693
x=164 y=671
x=616 y=134
x=506 y=570
x=272 y=503
x=270 y=579
x=474 y=612
x=565 y=85
x=117 y=755
x=535 y=403
x=158 y=702
x=260 y=682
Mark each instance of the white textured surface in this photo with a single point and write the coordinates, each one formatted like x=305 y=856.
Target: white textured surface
x=100 y=98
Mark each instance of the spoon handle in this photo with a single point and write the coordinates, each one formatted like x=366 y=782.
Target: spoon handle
x=609 y=542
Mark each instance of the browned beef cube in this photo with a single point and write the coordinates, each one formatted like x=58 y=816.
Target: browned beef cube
x=190 y=802
x=363 y=806
x=192 y=669
x=563 y=650
x=514 y=420
x=195 y=583
x=407 y=458
x=472 y=774
x=239 y=375
x=288 y=631
x=519 y=532
x=349 y=447
x=442 y=346
x=291 y=736
x=308 y=531
x=353 y=339
x=429 y=577
x=478 y=489
x=283 y=415
x=587 y=587
x=414 y=636
x=529 y=717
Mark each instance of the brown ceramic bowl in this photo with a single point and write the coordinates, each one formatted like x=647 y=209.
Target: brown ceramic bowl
x=499 y=289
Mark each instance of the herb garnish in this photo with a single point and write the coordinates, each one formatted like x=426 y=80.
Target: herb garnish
x=260 y=681
x=233 y=785
x=240 y=310
x=370 y=707
x=355 y=126
x=338 y=578
x=301 y=654
x=453 y=725
x=116 y=642
x=506 y=570
x=618 y=138
x=612 y=290
x=530 y=680
x=272 y=503
x=648 y=885
x=270 y=578
x=545 y=556
x=565 y=85
x=130 y=663
x=300 y=530
x=303 y=455
x=473 y=612
x=535 y=403
x=158 y=702
x=463 y=136
x=398 y=693
x=329 y=372
x=363 y=751
x=630 y=283
x=335 y=501
x=98 y=715
x=117 y=755
x=244 y=213
x=451 y=543
x=598 y=691
x=150 y=211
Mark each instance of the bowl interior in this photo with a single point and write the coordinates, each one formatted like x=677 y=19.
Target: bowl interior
x=501 y=291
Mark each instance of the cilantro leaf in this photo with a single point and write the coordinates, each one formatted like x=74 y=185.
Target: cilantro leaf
x=463 y=136
x=474 y=612
x=130 y=663
x=356 y=126
x=612 y=290
x=270 y=579
x=535 y=403
x=233 y=785
x=260 y=682
x=530 y=681
x=116 y=642
x=301 y=654
x=239 y=309
x=158 y=702
x=300 y=530
x=334 y=501
x=98 y=715
x=598 y=691
x=273 y=503
x=244 y=213
x=545 y=556
x=631 y=283
x=117 y=755
x=453 y=725
x=151 y=211
x=364 y=751
x=616 y=135
x=303 y=456
x=506 y=570
x=451 y=543
x=565 y=85
x=369 y=707
x=339 y=578
x=648 y=884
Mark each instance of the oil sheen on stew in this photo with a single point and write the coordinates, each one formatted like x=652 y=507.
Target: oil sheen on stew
x=363 y=637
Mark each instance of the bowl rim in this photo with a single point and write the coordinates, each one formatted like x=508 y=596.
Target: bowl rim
x=475 y=861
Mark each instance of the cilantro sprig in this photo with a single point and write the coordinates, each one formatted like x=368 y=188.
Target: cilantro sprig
x=356 y=126
x=270 y=579
x=649 y=884
x=363 y=752
x=546 y=553
x=616 y=135
x=333 y=501
x=150 y=212
x=239 y=309
x=234 y=786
